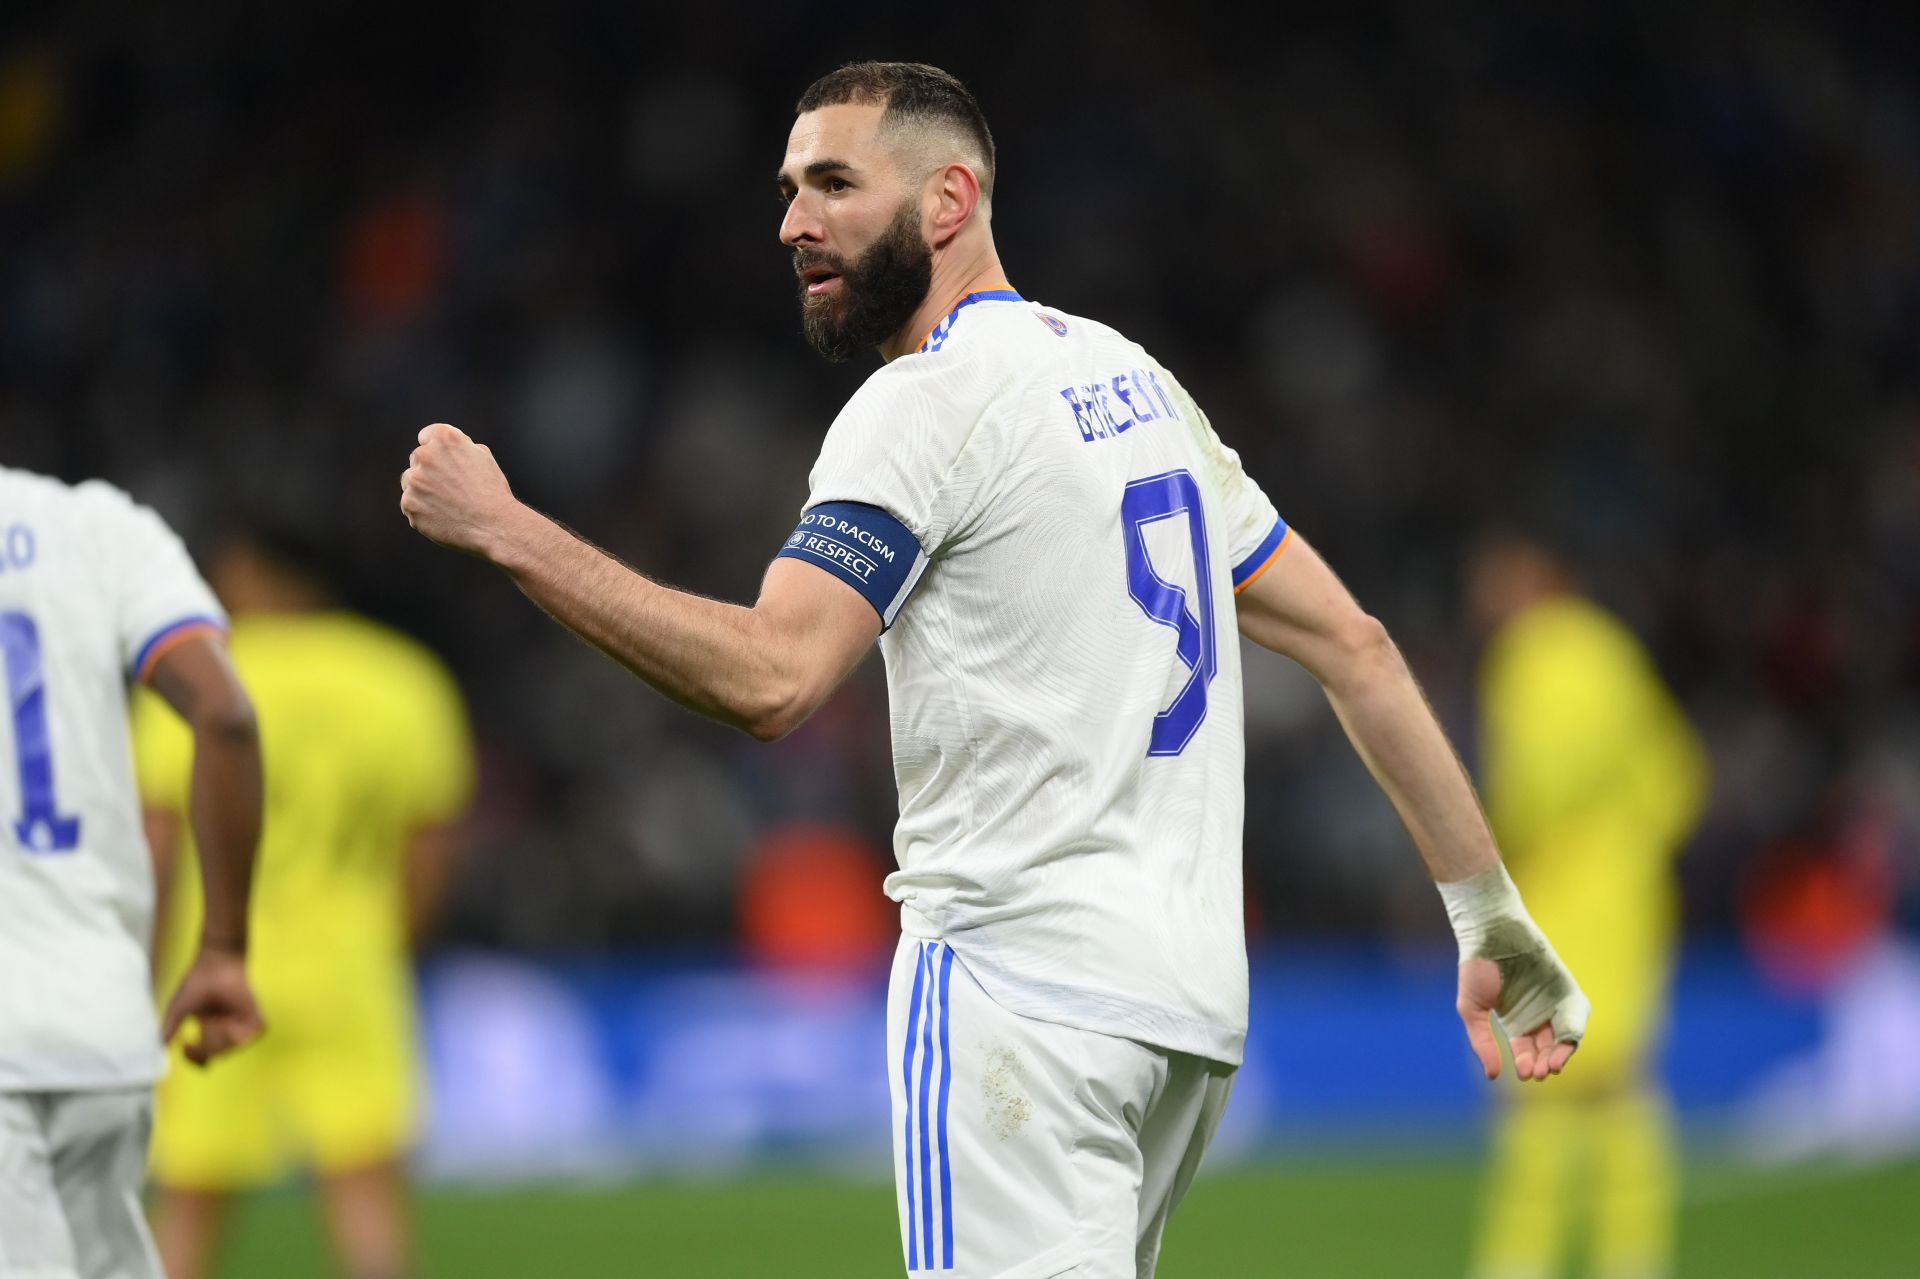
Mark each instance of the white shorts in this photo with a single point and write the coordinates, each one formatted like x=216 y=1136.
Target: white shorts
x=71 y=1167
x=1024 y=1149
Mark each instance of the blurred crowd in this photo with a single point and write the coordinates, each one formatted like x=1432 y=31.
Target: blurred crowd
x=1643 y=280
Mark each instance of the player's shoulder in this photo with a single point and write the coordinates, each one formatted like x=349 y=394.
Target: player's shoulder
x=1570 y=630
x=1026 y=332
x=103 y=514
x=947 y=389
x=15 y=480
x=991 y=350
x=369 y=638
x=387 y=651
x=48 y=492
x=1067 y=326
x=996 y=331
x=104 y=505
x=1075 y=333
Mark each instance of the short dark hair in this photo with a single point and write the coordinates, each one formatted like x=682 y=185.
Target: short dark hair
x=911 y=92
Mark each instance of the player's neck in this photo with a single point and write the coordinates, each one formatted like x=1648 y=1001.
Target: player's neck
x=952 y=281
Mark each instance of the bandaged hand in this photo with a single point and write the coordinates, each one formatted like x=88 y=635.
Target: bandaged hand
x=1507 y=967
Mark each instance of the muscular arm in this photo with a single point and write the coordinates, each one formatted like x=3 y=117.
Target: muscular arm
x=163 y=841
x=1299 y=608
x=198 y=680
x=762 y=669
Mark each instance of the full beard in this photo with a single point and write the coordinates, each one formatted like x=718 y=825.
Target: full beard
x=879 y=291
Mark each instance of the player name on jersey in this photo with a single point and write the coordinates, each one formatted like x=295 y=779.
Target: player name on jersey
x=1137 y=390
x=17 y=547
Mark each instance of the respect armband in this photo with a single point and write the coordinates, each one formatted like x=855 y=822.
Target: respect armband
x=864 y=547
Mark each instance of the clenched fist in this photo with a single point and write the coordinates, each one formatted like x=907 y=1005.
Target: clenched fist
x=453 y=492
x=216 y=996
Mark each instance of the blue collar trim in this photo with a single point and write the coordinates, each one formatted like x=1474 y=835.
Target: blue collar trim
x=937 y=338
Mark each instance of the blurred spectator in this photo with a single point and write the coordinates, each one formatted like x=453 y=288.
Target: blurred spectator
x=1658 y=271
x=810 y=899
x=29 y=112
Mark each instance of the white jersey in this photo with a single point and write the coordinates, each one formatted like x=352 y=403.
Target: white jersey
x=93 y=590
x=1053 y=535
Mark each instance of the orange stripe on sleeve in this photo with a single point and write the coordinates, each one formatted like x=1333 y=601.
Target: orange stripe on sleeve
x=172 y=640
x=1286 y=540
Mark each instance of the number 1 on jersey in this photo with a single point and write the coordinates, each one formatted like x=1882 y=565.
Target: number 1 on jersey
x=1163 y=497
x=40 y=828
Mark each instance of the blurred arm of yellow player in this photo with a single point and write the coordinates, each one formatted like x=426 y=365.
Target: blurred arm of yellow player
x=432 y=856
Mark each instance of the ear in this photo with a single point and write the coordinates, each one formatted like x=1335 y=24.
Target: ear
x=952 y=197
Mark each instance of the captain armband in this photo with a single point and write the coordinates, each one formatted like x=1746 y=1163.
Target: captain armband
x=865 y=547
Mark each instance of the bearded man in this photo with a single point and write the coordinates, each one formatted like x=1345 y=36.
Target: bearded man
x=1055 y=550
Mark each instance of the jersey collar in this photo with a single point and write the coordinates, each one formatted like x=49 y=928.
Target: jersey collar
x=937 y=336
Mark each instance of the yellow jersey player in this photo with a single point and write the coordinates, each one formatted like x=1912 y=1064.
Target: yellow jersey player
x=1593 y=780
x=368 y=762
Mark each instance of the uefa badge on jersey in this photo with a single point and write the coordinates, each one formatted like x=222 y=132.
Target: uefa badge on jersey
x=1054 y=322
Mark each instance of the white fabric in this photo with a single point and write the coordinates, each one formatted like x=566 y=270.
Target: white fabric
x=1024 y=1148
x=1478 y=903
x=1491 y=922
x=71 y=1167
x=1083 y=881
x=97 y=578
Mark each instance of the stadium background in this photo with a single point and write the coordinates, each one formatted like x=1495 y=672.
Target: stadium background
x=1647 y=276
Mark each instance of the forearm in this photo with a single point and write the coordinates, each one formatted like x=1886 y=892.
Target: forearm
x=224 y=809
x=712 y=657
x=1396 y=733
x=430 y=858
x=163 y=841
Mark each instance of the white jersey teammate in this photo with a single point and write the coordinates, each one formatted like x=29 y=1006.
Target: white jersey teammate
x=96 y=591
x=1061 y=555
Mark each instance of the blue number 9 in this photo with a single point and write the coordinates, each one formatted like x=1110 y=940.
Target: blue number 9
x=1162 y=497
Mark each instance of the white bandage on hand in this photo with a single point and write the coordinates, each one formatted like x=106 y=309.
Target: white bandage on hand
x=1491 y=922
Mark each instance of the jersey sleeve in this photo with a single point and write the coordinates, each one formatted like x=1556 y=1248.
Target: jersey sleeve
x=1256 y=533
x=883 y=500
x=159 y=597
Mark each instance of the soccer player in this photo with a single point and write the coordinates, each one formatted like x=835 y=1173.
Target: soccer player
x=1055 y=551
x=1594 y=779
x=96 y=591
x=369 y=762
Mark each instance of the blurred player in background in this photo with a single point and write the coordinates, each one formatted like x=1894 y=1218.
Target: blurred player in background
x=1594 y=779
x=1062 y=555
x=368 y=763
x=96 y=592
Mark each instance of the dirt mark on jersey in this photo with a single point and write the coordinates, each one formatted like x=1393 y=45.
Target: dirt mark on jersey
x=1002 y=1084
